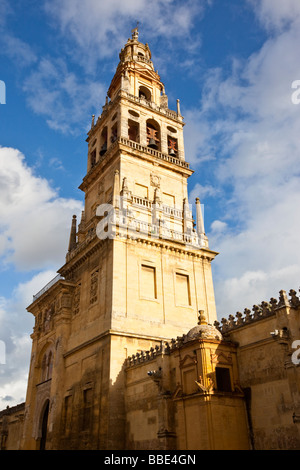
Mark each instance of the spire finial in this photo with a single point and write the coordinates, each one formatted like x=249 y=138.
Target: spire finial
x=73 y=241
x=202 y=320
x=199 y=218
x=135 y=31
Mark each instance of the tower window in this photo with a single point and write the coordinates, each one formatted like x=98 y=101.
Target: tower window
x=182 y=290
x=67 y=414
x=148 y=282
x=93 y=158
x=172 y=146
x=87 y=408
x=144 y=93
x=153 y=135
x=133 y=130
x=223 y=379
x=114 y=133
x=103 y=141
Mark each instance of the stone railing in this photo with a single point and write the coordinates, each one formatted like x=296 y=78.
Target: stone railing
x=154 y=153
x=259 y=312
x=47 y=286
x=150 y=104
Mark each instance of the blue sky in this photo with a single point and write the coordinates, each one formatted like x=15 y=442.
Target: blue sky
x=230 y=62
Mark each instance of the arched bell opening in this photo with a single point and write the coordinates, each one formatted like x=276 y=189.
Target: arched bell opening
x=145 y=93
x=47 y=365
x=172 y=146
x=114 y=133
x=133 y=130
x=103 y=141
x=153 y=134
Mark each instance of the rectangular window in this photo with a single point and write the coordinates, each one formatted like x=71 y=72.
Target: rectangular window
x=87 y=407
x=133 y=131
x=182 y=289
x=148 y=282
x=223 y=379
x=68 y=413
x=168 y=199
x=93 y=158
x=108 y=196
x=141 y=191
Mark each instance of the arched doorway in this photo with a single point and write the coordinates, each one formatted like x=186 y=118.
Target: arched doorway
x=44 y=426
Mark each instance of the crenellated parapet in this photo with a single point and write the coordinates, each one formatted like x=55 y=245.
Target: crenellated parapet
x=259 y=312
x=203 y=331
x=144 y=356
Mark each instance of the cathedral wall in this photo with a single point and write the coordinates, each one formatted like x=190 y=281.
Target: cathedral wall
x=11 y=427
x=142 y=414
x=169 y=284
x=270 y=378
x=82 y=417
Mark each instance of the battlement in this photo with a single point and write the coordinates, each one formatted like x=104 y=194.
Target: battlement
x=261 y=311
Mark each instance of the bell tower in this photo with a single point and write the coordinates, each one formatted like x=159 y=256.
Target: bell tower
x=138 y=268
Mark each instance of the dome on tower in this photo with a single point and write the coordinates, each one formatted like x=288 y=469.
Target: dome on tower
x=203 y=330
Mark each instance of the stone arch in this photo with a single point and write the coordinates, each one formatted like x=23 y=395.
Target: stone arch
x=43 y=424
x=145 y=93
x=45 y=361
x=103 y=141
x=153 y=134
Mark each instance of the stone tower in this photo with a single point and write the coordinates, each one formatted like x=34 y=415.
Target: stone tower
x=137 y=271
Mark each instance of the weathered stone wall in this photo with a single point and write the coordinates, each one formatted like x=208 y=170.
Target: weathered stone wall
x=11 y=427
x=272 y=380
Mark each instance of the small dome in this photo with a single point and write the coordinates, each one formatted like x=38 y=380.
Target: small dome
x=203 y=330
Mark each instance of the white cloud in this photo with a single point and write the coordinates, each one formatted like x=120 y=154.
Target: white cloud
x=100 y=28
x=255 y=136
x=218 y=226
x=35 y=221
x=66 y=101
x=277 y=14
x=19 y=51
x=16 y=325
x=202 y=191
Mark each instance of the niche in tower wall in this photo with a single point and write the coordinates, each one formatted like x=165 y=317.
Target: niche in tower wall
x=94 y=287
x=133 y=130
x=153 y=135
x=76 y=300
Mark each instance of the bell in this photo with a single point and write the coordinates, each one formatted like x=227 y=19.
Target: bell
x=152 y=144
x=172 y=153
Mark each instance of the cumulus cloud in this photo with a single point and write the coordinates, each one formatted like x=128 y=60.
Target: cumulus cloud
x=35 y=221
x=34 y=232
x=276 y=14
x=15 y=328
x=98 y=27
x=65 y=100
